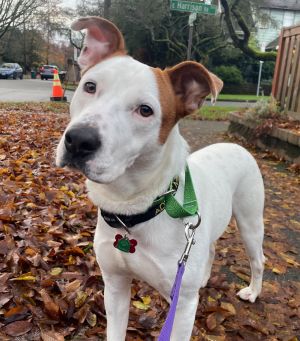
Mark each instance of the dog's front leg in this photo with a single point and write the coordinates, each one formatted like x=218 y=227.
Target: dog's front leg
x=185 y=316
x=117 y=293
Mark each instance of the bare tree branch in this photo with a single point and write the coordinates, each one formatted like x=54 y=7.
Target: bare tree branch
x=174 y=47
x=14 y=13
x=242 y=44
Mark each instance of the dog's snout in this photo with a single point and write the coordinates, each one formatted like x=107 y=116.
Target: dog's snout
x=82 y=141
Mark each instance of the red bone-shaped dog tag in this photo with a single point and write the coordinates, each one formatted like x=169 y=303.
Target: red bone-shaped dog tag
x=124 y=244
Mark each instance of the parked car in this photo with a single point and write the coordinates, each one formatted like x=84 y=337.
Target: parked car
x=47 y=71
x=11 y=70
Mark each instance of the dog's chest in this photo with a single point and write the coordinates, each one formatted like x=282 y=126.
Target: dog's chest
x=156 y=256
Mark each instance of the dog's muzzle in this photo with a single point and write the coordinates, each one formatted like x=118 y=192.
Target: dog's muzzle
x=81 y=143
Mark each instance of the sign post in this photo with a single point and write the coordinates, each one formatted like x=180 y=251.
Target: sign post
x=262 y=48
x=194 y=7
x=192 y=18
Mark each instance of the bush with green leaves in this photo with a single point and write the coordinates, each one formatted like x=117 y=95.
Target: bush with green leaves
x=229 y=74
x=264 y=109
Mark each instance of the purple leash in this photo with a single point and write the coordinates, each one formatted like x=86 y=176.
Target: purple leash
x=166 y=331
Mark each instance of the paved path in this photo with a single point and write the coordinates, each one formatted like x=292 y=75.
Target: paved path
x=27 y=90
x=202 y=133
x=36 y=90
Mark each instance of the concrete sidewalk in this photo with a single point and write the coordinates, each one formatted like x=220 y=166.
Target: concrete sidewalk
x=27 y=90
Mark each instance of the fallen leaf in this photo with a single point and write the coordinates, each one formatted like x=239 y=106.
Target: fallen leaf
x=73 y=286
x=81 y=297
x=74 y=251
x=25 y=277
x=82 y=313
x=56 y=271
x=146 y=300
x=4 y=298
x=91 y=319
x=279 y=269
x=51 y=308
x=228 y=307
x=215 y=338
x=18 y=328
x=210 y=299
x=140 y=305
x=211 y=321
x=50 y=335
x=14 y=310
x=30 y=252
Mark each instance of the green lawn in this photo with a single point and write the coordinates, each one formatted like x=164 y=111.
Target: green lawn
x=70 y=86
x=216 y=113
x=229 y=97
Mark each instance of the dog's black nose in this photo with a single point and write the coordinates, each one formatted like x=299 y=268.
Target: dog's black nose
x=82 y=141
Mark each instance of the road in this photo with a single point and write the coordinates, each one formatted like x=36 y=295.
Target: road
x=36 y=90
x=26 y=90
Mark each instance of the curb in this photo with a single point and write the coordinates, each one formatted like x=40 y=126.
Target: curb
x=284 y=143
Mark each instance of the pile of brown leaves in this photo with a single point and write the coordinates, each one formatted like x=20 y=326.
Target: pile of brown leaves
x=51 y=288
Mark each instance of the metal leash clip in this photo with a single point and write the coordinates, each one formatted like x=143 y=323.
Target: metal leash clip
x=190 y=231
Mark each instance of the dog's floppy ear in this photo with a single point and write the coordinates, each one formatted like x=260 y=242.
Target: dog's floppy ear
x=102 y=39
x=192 y=82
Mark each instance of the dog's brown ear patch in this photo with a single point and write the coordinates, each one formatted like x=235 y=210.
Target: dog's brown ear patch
x=102 y=40
x=192 y=82
x=182 y=90
x=167 y=103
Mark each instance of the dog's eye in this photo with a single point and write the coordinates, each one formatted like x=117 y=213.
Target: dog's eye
x=145 y=110
x=90 y=87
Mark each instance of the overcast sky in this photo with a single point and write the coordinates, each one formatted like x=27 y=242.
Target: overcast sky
x=70 y=3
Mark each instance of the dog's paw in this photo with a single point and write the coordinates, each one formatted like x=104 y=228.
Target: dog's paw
x=247 y=294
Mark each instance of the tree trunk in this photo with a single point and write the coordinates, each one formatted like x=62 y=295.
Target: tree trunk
x=242 y=44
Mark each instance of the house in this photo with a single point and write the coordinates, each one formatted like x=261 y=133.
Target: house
x=282 y=13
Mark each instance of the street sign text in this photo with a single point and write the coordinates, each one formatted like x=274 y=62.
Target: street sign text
x=193 y=7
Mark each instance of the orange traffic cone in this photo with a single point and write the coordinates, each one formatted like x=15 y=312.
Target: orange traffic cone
x=57 y=90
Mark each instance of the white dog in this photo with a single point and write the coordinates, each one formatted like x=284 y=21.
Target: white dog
x=124 y=137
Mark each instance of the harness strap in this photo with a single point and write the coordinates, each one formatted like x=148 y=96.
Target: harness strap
x=190 y=204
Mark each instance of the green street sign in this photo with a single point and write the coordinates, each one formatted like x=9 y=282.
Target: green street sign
x=193 y=7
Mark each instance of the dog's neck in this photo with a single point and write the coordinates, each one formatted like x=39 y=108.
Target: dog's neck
x=147 y=178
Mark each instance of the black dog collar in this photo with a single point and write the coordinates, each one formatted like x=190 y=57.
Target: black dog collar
x=128 y=221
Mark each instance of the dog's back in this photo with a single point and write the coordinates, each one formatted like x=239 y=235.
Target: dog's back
x=228 y=173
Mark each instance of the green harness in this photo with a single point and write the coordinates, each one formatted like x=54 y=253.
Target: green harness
x=190 y=204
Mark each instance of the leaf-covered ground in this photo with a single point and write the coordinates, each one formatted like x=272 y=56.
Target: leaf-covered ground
x=50 y=285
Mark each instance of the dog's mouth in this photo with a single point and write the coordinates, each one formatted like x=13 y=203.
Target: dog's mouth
x=75 y=165
x=101 y=169
x=84 y=168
